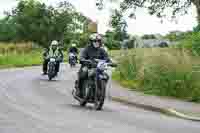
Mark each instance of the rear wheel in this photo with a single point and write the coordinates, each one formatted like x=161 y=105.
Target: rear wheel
x=100 y=95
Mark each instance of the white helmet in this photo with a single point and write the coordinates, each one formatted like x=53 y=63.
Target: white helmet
x=54 y=42
x=73 y=45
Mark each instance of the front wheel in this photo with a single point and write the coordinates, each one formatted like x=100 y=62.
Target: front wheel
x=85 y=93
x=51 y=71
x=100 y=94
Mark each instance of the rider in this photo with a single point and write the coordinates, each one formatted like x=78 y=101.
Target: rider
x=73 y=49
x=93 y=51
x=53 y=51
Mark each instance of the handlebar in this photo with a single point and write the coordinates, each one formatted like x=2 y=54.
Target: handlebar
x=96 y=61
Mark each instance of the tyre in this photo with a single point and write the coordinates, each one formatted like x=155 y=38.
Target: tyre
x=51 y=71
x=100 y=95
x=85 y=93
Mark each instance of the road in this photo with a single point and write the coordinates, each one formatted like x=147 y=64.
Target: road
x=31 y=104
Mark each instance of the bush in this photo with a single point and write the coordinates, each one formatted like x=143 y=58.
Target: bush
x=196 y=43
x=192 y=42
x=163 y=72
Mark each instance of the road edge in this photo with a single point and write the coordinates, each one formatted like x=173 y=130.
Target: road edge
x=166 y=111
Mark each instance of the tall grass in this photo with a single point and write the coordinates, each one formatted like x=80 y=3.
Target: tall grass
x=163 y=72
x=19 y=48
x=18 y=55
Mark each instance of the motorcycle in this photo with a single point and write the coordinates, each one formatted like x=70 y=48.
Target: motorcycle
x=94 y=86
x=51 y=71
x=72 y=59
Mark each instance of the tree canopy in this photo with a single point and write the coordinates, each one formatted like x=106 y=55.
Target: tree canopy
x=34 y=21
x=160 y=8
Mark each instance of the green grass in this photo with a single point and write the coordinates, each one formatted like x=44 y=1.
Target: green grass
x=163 y=72
x=20 y=60
x=21 y=55
x=32 y=58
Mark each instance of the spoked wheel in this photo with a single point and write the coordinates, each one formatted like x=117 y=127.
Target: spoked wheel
x=100 y=95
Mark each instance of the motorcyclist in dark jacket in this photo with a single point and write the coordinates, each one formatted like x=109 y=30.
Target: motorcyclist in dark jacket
x=53 y=51
x=73 y=49
x=93 y=51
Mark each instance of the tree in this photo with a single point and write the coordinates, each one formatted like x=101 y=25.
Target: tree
x=41 y=24
x=33 y=21
x=160 y=8
x=7 y=30
x=119 y=25
x=148 y=36
x=110 y=40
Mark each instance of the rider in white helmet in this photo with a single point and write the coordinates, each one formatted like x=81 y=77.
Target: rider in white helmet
x=53 y=51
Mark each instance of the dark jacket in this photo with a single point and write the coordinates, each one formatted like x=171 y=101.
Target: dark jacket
x=73 y=50
x=90 y=53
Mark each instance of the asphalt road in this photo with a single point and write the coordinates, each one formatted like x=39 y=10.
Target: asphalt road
x=29 y=103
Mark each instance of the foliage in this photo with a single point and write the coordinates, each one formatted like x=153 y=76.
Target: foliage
x=36 y=22
x=189 y=41
x=11 y=48
x=195 y=39
x=173 y=36
x=111 y=41
x=21 y=59
x=148 y=37
x=160 y=72
x=197 y=28
x=160 y=8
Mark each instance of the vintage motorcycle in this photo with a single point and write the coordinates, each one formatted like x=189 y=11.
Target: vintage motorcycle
x=94 y=86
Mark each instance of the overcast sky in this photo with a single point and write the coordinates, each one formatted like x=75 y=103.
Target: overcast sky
x=144 y=24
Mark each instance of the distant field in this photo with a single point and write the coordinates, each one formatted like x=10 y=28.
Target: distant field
x=20 y=55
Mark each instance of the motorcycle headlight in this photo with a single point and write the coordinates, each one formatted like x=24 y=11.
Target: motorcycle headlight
x=84 y=69
x=102 y=66
x=91 y=72
x=52 y=59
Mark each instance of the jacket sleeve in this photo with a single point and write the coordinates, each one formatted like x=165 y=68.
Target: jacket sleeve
x=60 y=58
x=45 y=53
x=105 y=55
x=61 y=54
x=84 y=55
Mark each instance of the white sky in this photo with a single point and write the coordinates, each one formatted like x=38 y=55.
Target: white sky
x=144 y=24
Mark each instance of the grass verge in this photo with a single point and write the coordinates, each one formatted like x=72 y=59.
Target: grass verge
x=163 y=72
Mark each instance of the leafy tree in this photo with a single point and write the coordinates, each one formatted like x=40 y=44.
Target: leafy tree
x=7 y=30
x=148 y=37
x=110 y=41
x=33 y=21
x=160 y=8
x=197 y=28
x=119 y=25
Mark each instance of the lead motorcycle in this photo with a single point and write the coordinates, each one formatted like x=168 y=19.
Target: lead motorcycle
x=94 y=86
